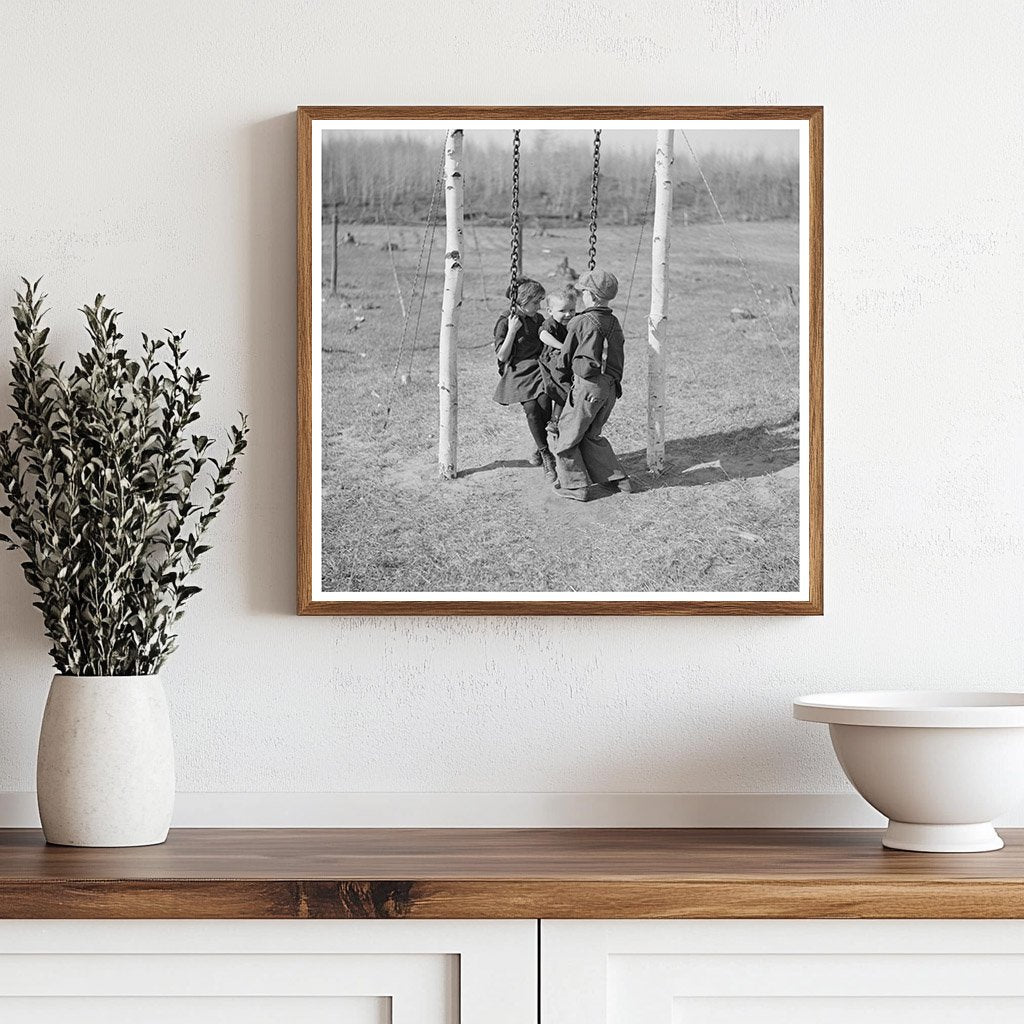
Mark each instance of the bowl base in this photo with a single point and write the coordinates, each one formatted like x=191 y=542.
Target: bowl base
x=979 y=838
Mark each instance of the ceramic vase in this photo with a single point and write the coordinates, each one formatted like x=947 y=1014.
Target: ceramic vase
x=105 y=771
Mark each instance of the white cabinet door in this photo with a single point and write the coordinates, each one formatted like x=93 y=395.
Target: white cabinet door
x=782 y=972
x=258 y=972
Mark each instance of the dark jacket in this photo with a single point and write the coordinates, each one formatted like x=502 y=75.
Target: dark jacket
x=594 y=344
x=521 y=378
x=549 y=358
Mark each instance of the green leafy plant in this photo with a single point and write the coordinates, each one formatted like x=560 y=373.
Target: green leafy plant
x=109 y=495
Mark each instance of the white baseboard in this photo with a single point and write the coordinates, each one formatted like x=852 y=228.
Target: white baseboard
x=494 y=810
x=504 y=810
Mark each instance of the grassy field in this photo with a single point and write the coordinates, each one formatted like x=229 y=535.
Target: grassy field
x=724 y=517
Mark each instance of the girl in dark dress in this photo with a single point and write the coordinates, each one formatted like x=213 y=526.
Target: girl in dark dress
x=518 y=347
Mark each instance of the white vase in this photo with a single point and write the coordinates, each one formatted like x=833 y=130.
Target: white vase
x=105 y=771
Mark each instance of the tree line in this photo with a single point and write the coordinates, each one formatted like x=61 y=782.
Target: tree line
x=366 y=179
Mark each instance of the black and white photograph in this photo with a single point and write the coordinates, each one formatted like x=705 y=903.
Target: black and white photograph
x=560 y=361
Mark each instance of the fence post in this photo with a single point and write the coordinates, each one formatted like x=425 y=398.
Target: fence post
x=334 y=254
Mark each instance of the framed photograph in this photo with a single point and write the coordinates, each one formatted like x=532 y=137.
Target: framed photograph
x=560 y=360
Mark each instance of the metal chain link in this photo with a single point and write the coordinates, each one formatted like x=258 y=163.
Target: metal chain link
x=513 y=273
x=592 y=261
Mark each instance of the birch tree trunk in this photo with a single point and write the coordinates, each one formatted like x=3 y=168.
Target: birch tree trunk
x=448 y=369
x=657 y=321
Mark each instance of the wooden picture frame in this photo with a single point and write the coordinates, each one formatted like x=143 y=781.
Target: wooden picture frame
x=809 y=600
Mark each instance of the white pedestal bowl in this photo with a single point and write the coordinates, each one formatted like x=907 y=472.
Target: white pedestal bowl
x=940 y=766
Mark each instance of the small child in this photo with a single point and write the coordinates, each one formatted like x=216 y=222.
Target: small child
x=590 y=365
x=561 y=309
x=518 y=347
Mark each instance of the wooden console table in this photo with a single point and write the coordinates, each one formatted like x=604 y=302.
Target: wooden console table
x=496 y=926
x=507 y=874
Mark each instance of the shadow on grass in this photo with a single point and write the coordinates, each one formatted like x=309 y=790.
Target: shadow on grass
x=497 y=464
x=717 y=458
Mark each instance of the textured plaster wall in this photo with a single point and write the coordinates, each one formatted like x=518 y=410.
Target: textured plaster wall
x=147 y=150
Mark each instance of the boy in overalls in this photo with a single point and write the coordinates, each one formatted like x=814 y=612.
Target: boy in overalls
x=590 y=365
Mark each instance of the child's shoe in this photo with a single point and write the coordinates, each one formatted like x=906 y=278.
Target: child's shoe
x=575 y=493
x=535 y=459
x=549 y=467
x=624 y=486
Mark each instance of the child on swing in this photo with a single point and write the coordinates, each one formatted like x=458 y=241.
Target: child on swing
x=561 y=309
x=590 y=366
x=518 y=347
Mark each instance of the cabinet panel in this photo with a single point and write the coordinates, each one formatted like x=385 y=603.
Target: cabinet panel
x=188 y=1010
x=847 y=1010
x=303 y=972
x=733 y=972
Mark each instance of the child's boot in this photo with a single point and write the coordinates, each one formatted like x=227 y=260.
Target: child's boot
x=548 y=461
x=575 y=493
x=535 y=458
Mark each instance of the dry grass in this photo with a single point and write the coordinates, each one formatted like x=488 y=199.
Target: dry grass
x=389 y=524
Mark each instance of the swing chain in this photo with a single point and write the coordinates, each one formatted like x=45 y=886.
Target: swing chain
x=592 y=254
x=514 y=224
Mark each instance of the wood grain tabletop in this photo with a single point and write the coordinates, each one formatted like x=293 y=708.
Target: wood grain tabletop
x=508 y=873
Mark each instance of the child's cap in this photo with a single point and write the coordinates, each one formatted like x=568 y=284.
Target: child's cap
x=600 y=283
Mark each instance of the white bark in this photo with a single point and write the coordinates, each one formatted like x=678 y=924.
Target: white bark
x=656 y=323
x=448 y=381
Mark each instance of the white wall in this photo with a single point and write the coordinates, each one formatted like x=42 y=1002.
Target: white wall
x=147 y=150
